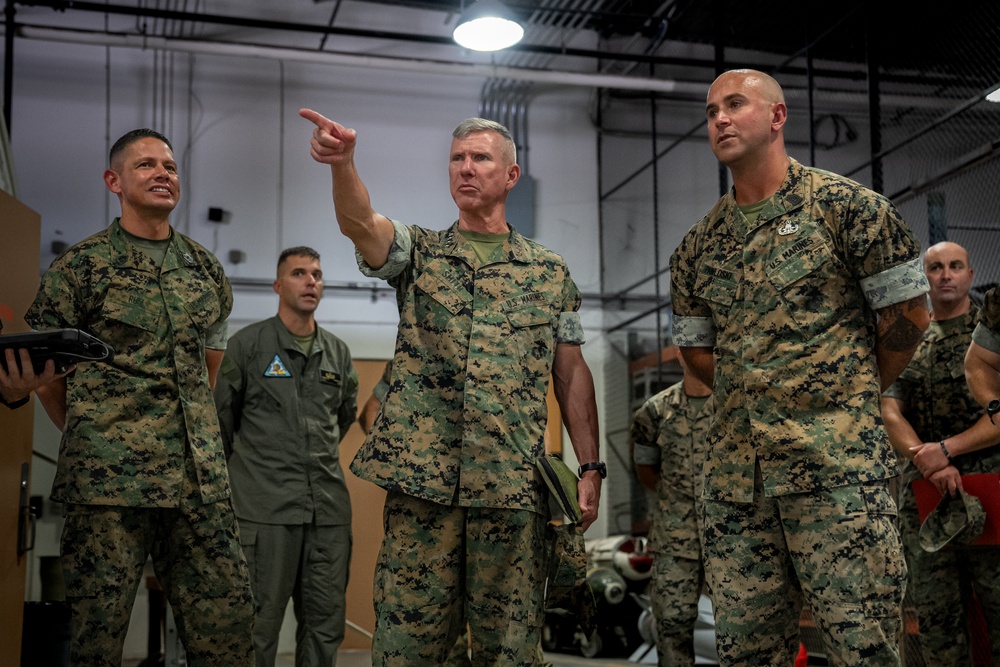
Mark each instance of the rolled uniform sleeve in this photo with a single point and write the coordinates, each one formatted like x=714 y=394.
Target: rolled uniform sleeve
x=217 y=335
x=895 y=285
x=691 y=325
x=570 y=329
x=399 y=255
x=643 y=432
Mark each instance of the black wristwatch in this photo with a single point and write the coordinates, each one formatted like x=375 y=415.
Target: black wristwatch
x=599 y=466
x=992 y=408
x=14 y=405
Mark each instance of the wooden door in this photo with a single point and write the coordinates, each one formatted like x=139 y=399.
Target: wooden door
x=367 y=501
x=18 y=283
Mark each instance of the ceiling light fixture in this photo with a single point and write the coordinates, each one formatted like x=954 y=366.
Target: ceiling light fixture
x=488 y=25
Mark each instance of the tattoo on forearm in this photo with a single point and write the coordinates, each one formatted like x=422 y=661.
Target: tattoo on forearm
x=898 y=333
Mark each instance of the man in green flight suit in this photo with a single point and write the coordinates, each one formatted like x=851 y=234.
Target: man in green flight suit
x=141 y=466
x=287 y=393
x=487 y=316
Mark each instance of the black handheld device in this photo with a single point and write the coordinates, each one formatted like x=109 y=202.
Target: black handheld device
x=64 y=346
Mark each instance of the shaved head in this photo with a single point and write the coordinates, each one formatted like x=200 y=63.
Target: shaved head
x=765 y=85
x=949 y=273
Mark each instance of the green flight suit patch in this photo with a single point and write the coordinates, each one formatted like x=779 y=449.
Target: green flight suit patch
x=276 y=369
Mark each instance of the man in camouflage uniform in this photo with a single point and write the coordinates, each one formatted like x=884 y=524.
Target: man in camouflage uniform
x=459 y=655
x=936 y=426
x=287 y=393
x=141 y=467
x=486 y=317
x=668 y=440
x=801 y=296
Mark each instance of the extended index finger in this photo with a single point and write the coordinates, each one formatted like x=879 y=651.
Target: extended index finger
x=317 y=119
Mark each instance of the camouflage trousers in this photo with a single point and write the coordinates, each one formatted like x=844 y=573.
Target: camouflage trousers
x=935 y=591
x=459 y=655
x=197 y=558
x=308 y=564
x=674 y=590
x=836 y=549
x=443 y=566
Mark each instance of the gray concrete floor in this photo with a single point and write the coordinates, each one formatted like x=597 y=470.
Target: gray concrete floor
x=363 y=659
x=355 y=658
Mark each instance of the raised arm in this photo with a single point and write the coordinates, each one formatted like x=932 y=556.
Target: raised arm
x=900 y=329
x=574 y=390
x=334 y=144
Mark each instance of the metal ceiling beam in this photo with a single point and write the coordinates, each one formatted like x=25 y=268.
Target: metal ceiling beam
x=262 y=24
x=550 y=77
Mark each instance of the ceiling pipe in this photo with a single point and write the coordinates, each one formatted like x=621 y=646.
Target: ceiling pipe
x=421 y=66
x=287 y=26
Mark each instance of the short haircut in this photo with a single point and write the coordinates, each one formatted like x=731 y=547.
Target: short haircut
x=768 y=86
x=130 y=138
x=297 y=251
x=471 y=125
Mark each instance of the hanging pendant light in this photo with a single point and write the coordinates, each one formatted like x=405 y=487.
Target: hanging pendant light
x=488 y=25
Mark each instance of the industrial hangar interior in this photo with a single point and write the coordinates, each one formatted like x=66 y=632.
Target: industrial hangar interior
x=605 y=99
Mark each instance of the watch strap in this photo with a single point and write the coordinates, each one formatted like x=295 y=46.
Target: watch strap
x=599 y=466
x=14 y=405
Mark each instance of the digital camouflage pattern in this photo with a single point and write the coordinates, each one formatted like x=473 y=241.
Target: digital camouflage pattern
x=955 y=520
x=671 y=431
x=937 y=404
x=282 y=430
x=987 y=333
x=419 y=602
x=141 y=465
x=197 y=560
x=844 y=548
x=796 y=493
x=935 y=398
x=464 y=419
x=455 y=444
x=382 y=386
x=675 y=587
x=798 y=390
x=155 y=318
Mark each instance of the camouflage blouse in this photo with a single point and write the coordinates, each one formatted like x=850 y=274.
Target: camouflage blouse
x=142 y=428
x=672 y=431
x=788 y=304
x=464 y=418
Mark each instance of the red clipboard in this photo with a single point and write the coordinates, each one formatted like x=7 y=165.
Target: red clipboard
x=985 y=486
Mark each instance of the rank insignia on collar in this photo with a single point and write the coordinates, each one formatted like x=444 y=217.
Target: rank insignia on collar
x=788 y=227
x=276 y=369
x=188 y=259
